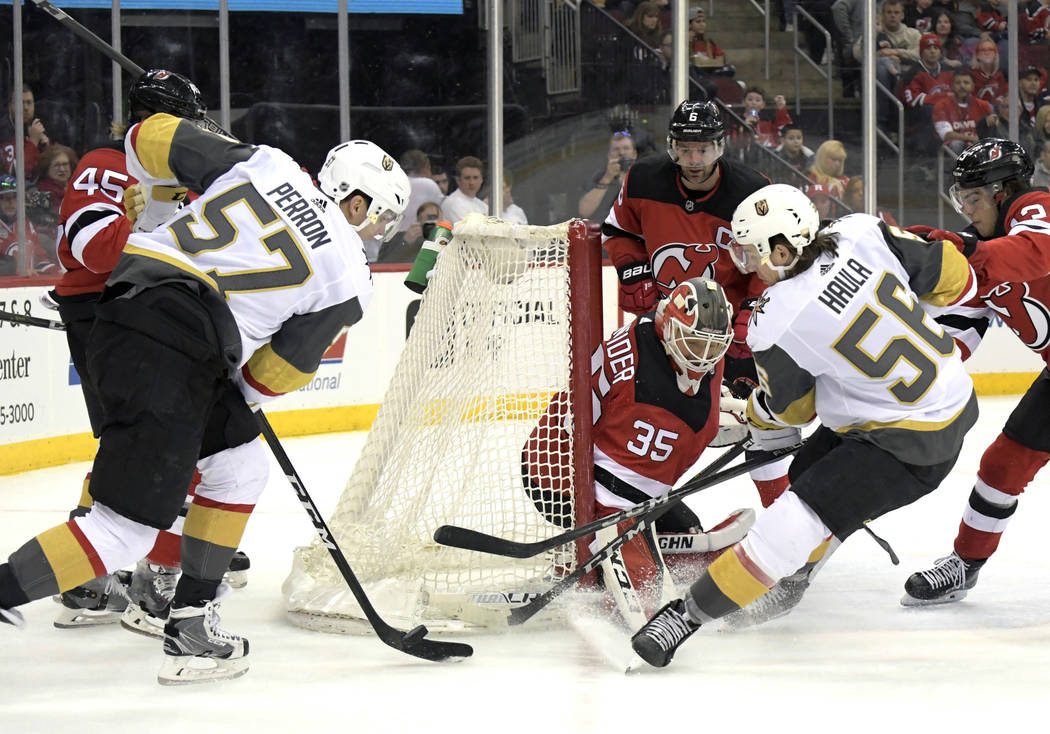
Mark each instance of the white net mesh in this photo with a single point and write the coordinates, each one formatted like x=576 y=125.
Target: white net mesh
x=489 y=349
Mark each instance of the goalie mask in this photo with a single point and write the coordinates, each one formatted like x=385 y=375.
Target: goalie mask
x=159 y=90
x=773 y=210
x=695 y=326
x=362 y=166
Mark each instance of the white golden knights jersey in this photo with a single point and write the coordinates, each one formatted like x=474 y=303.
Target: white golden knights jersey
x=682 y=234
x=1013 y=278
x=280 y=268
x=848 y=341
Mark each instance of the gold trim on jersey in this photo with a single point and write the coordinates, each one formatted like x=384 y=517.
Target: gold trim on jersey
x=272 y=371
x=955 y=274
x=215 y=525
x=153 y=144
x=734 y=580
x=174 y=262
x=66 y=556
x=905 y=425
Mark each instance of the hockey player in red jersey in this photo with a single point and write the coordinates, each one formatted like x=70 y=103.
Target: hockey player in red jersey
x=657 y=389
x=671 y=222
x=891 y=427
x=1008 y=244
x=93 y=227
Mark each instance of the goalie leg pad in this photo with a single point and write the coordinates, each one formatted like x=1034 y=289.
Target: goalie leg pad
x=633 y=577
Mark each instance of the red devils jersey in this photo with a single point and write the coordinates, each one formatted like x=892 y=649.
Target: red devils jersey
x=990 y=86
x=928 y=88
x=682 y=234
x=92 y=226
x=1013 y=277
x=647 y=433
x=950 y=116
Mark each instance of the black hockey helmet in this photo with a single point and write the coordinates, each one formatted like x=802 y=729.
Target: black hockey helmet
x=696 y=122
x=159 y=90
x=990 y=161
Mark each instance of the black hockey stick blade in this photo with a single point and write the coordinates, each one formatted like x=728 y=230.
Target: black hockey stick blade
x=26 y=320
x=413 y=642
x=474 y=540
x=884 y=544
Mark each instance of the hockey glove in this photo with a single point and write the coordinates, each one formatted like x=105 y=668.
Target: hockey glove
x=966 y=242
x=638 y=292
x=732 y=423
x=134 y=202
x=766 y=433
x=739 y=348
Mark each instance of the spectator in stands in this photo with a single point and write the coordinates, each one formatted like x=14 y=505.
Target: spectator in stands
x=464 y=200
x=511 y=212
x=955 y=118
x=793 y=149
x=440 y=176
x=931 y=80
x=991 y=19
x=1030 y=93
x=848 y=24
x=822 y=200
x=964 y=23
x=53 y=172
x=815 y=43
x=416 y=164
x=920 y=15
x=35 y=134
x=10 y=245
x=1036 y=20
x=1041 y=176
x=897 y=49
x=950 y=42
x=704 y=52
x=766 y=124
x=404 y=246
x=645 y=23
x=989 y=82
x=853 y=196
x=828 y=165
x=604 y=185
x=1041 y=131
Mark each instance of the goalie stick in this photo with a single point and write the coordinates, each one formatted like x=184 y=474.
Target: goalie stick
x=522 y=614
x=27 y=320
x=412 y=642
x=106 y=49
x=458 y=537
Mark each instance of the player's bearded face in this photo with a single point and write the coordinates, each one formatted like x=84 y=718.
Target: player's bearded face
x=977 y=205
x=696 y=159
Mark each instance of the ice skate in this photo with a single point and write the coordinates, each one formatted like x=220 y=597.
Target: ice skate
x=197 y=650
x=950 y=579
x=99 y=601
x=777 y=602
x=149 y=594
x=237 y=575
x=658 y=639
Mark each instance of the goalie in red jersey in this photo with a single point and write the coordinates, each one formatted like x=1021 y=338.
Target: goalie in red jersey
x=656 y=384
x=1008 y=245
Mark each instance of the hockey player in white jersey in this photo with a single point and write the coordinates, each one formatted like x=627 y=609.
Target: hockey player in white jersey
x=251 y=282
x=839 y=335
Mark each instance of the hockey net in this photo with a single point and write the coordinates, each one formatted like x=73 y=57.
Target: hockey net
x=507 y=322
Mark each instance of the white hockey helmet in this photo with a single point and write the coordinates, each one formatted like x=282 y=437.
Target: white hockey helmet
x=361 y=165
x=695 y=325
x=777 y=209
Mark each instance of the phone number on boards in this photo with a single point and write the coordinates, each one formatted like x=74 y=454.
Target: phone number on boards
x=17 y=413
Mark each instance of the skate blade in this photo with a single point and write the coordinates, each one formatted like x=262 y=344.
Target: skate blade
x=910 y=601
x=69 y=619
x=182 y=670
x=137 y=621
x=236 y=579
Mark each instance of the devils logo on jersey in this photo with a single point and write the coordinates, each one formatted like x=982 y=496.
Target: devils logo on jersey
x=675 y=263
x=1026 y=316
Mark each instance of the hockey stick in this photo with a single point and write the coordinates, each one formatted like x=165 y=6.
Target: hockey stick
x=412 y=642
x=468 y=539
x=99 y=45
x=884 y=544
x=522 y=614
x=27 y=320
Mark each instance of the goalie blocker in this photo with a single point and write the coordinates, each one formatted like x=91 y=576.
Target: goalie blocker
x=657 y=393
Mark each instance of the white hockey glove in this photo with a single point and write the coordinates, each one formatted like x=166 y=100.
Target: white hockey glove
x=732 y=421
x=764 y=438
